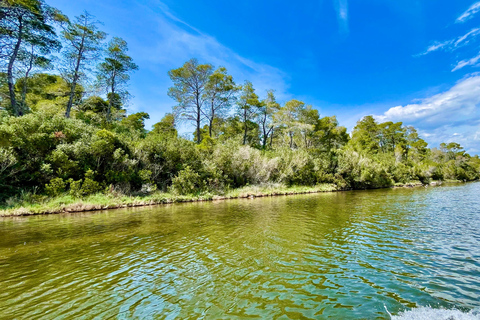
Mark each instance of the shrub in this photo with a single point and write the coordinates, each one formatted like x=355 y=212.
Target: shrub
x=187 y=182
x=55 y=187
x=86 y=187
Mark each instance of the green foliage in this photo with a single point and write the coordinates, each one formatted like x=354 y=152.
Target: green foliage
x=85 y=187
x=136 y=121
x=55 y=187
x=99 y=150
x=187 y=182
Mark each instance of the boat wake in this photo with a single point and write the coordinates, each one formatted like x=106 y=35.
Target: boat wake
x=437 y=314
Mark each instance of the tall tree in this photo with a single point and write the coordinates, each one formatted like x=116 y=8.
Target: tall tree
x=26 y=22
x=31 y=60
x=166 y=125
x=329 y=134
x=289 y=116
x=189 y=91
x=83 y=47
x=114 y=72
x=247 y=107
x=220 y=93
x=391 y=135
x=416 y=146
x=266 y=110
x=365 y=135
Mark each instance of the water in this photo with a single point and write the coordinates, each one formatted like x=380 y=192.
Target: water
x=349 y=255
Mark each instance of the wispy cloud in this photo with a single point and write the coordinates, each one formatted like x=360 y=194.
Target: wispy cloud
x=437 y=46
x=474 y=8
x=441 y=116
x=178 y=41
x=341 y=7
x=453 y=44
x=164 y=41
x=470 y=62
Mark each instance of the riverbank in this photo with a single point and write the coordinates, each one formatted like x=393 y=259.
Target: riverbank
x=100 y=201
x=68 y=204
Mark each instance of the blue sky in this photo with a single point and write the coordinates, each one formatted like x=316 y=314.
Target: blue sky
x=414 y=61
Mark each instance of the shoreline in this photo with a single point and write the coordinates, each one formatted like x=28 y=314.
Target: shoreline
x=86 y=205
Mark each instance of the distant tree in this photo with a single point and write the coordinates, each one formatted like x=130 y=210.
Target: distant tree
x=330 y=135
x=166 y=125
x=31 y=60
x=416 y=147
x=189 y=91
x=289 y=117
x=136 y=121
x=308 y=118
x=25 y=23
x=266 y=110
x=391 y=135
x=365 y=135
x=83 y=43
x=43 y=92
x=219 y=95
x=114 y=72
x=247 y=107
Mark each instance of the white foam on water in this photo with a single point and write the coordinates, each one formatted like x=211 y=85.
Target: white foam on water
x=437 y=314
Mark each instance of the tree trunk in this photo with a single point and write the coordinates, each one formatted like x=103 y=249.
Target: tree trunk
x=199 y=110
x=246 y=128
x=75 y=77
x=198 y=128
x=11 y=84
x=210 y=125
x=271 y=138
x=109 y=111
x=27 y=73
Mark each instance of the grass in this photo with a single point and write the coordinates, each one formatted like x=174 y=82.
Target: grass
x=29 y=204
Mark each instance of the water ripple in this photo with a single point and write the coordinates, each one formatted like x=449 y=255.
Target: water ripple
x=341 y=256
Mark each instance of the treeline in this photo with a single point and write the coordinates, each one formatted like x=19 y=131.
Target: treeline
x=64 y=127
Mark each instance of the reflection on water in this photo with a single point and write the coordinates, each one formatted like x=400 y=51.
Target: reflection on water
x=344 y=255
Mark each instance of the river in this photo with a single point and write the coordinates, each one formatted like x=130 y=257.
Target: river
x=344 y=255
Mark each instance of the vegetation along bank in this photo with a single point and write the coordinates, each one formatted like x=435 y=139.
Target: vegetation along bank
x=66 y=139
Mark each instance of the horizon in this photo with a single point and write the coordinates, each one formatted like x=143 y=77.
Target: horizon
x=410 y=62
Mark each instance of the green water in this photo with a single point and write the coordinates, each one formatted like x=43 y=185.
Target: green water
x=337 y=255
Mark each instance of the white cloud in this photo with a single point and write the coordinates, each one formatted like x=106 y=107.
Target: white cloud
x=341 y=7
x=474 y=8
x=461 y=99
x=453 y=115
x=464 y=63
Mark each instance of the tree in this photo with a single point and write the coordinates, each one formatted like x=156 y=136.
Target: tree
x=289 y=116
x=247 y=106
x=83 y=43
x=329 y=134
x=166 y=125
x=26 y=22
x=31 y=60
x=308 y=118
x=114 y=72
x=136 y=121
x=416 y=147
x=365 y=135
x=266 y=110
x=189 y=91
x=44 y=92
x=220 y=93
x=391 y=135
